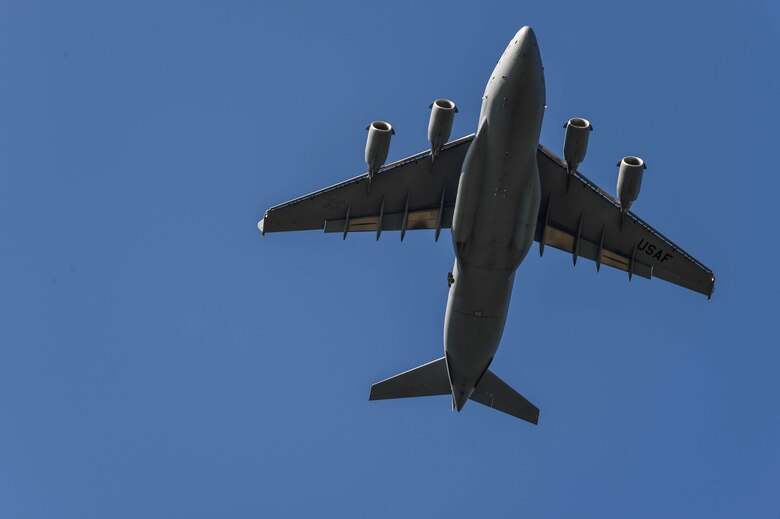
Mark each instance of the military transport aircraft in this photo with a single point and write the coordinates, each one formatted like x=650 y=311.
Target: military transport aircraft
x=498 y=190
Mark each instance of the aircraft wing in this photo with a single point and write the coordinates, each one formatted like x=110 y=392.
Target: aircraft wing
x=413 y=193
x=584 y=220
x=575 y=216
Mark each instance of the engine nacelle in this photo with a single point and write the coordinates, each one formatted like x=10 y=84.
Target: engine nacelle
x=576 y=143
x=440 y=126
x=629 y=181
x=377 y=145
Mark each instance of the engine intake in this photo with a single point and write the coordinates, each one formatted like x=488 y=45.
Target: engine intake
x=440 y=125
x=576 y=143
x=629 y=181
x=377 y=145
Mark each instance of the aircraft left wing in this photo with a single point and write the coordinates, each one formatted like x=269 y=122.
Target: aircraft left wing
x=413 y=193
x=579 y=217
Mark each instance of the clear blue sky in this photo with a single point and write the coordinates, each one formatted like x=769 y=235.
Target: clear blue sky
x=159 y=358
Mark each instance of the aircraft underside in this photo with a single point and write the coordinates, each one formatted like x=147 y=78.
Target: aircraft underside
x=498 y=190
x=495 y=214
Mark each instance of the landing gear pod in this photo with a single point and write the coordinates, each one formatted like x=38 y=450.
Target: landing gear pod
x=440 y=126
x=576 y=143
x=629 y=181
x=377 y=145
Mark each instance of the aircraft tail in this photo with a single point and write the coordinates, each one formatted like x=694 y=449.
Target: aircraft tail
x=427 y=380
x=494 y=392
x=432 y=379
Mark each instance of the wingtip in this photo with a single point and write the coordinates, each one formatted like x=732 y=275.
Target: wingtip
x=712 y=289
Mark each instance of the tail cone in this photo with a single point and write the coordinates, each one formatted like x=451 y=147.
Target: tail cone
x=460 y=399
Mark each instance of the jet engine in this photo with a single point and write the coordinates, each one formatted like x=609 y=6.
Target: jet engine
x=440 y=126
x=629 y=181
x=576 y=143
x=377 y=145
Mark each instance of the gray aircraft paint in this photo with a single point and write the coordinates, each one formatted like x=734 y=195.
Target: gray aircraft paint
x=495 y=213
x=498 y=190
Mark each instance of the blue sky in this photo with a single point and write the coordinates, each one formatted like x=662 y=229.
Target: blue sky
x=159 y=358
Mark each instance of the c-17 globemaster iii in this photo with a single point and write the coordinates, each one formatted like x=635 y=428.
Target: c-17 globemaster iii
x=498 y=190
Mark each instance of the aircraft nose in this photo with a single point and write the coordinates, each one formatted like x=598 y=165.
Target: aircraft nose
x=528 y=47
x=526 y=31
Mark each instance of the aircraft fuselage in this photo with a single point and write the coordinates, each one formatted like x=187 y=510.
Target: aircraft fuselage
x=495 y=213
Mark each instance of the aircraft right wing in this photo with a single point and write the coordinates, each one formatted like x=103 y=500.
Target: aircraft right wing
x=412 y=193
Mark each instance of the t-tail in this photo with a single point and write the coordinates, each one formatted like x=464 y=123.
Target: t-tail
x=432 y=379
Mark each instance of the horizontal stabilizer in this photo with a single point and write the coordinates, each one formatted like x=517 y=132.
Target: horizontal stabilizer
x=427 y=380
x=494 y=392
